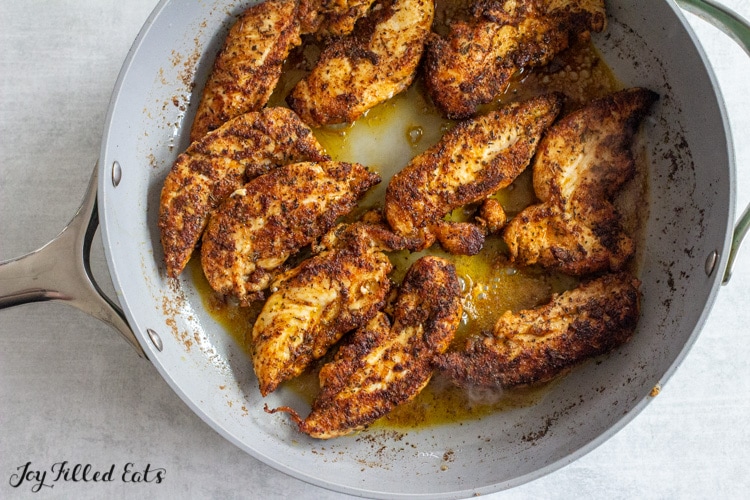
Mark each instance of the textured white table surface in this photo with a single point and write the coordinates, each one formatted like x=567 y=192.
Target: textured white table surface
x=71 y=389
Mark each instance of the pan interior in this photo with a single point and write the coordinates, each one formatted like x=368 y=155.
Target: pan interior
x=690 y=212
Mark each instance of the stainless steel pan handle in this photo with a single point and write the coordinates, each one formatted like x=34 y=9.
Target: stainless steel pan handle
x=61 y=270
x=738 y=29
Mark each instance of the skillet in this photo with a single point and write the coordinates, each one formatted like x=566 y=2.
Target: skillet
x=165 y=336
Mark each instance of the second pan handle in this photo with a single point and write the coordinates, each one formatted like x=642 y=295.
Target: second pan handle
x=738 y=29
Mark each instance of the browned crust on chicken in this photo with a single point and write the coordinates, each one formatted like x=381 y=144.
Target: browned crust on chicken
x=249 y=65
x=534 y=346
x=459 y=238
x=471 y=162
x=218 y=164
x=256 y=229
x=546 y=235
x=384 y=365
x=314 y=304
x=331 y=17
x=309 y=15
x=370 y=228
x=474 y=62
x=588 y=154
x=377 y=61
x=583 y=161
x=492 y=216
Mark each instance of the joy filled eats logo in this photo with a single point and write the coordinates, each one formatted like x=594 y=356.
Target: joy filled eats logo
x=62 y=472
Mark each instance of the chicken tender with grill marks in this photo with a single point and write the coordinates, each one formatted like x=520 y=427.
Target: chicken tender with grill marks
x=249 y=65
x=377 y=61
x=313 y=305
x=218 y=164
x=252 y=234
x=582 y=163
x=536 y=345
x=472 y=65
x=331 y=17
x=471 y=162
x=384 y=365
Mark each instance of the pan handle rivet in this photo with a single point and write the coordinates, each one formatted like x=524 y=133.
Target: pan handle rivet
x=711 y=261
x=155 y=339
x=116 y=173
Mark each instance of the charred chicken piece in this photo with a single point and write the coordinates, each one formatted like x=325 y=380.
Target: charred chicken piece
x=249 y=65
x=377 y=61
x=471 y=162
x=473 y=64
x=534 y=346
x=252 y=234
x=582 y=162
x=384 y=365
x=218 y=164
x=314 y=304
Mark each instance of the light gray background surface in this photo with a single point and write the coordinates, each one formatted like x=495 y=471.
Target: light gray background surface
x=71 y=389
